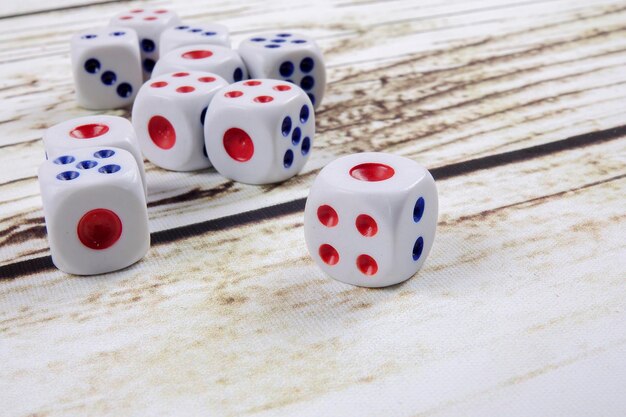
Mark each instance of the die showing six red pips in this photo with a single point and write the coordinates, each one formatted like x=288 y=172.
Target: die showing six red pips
x=370 y=218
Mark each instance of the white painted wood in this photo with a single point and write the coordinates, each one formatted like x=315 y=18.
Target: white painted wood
x=518 y=311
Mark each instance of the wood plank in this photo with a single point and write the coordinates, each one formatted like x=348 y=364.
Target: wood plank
x=33 y=260
x=23 y=8
x=517 y=108
x=488 y=104
x=413 y=336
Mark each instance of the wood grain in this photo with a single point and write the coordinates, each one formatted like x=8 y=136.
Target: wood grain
x=517 y=109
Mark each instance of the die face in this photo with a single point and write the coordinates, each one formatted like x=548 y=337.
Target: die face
x=94 y=131
x=208 y=58
x=351 y=239
x=95 y=210
x=149 y=24
x=105 y=64
x=370 y=219
x=183 y=35
x=287 y=56
x=416 y=225
x=169 y=114
x=259 y=131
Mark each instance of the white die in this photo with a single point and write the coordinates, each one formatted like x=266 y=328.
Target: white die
x=90 y=131
x=95 y=210
x=259 y=131
x=149 y=25
x=183 y=35
x=208 y=58
x=105 y=64
x=168 y=117
x=287 y=56
x=370 y=219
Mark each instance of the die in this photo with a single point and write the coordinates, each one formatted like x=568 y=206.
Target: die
x=95 y=210
x=259 y=131
x=208 y=58
x=90 y=131
x=287 y=56
x=149 y=25
x=370 y=218
x=183 y=35
x=105 y=65
x=169 y=114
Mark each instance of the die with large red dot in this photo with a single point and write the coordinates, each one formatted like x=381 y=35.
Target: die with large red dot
x=259 y=131
x=149 y=23
x=94 y=131
x=169 y=114
x=95 y=210
x=287 y=56
x=370 y=219
x=219 y=60
x=105 y=65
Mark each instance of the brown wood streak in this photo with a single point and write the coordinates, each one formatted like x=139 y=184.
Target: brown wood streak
x=532 y=201
x=389 y=115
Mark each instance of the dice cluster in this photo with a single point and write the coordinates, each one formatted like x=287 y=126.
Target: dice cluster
x=250 y=112
x=110 y=63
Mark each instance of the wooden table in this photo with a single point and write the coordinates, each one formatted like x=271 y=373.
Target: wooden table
x=516 y=106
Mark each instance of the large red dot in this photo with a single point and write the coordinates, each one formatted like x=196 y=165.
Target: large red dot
x=263 y=99
x=366 y=225
x=99 y=229
x=92 y=130
x=197 y=54
x=161 y=132
x=282 y=87
x=158 y=84
x=252 y=83
x=327 y=216
x=372 y=171
x=185 y=89
x=238 y=144
x=328 y=254
x=150 y=18
x=366 y=264
x=160 y=11
x=180 y=74
x=233 y=94
x=206 y=79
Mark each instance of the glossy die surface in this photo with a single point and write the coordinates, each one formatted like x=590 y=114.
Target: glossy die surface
x=149 y=25
x=90 y=131
x=183 y=35
x=287 y=56
x=95 y=210
x=169 y=114
x=259 y=131
x=105 y=65
x=370 y=219
x=208 y=58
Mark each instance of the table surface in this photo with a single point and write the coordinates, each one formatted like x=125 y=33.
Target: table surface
x=516 y=107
